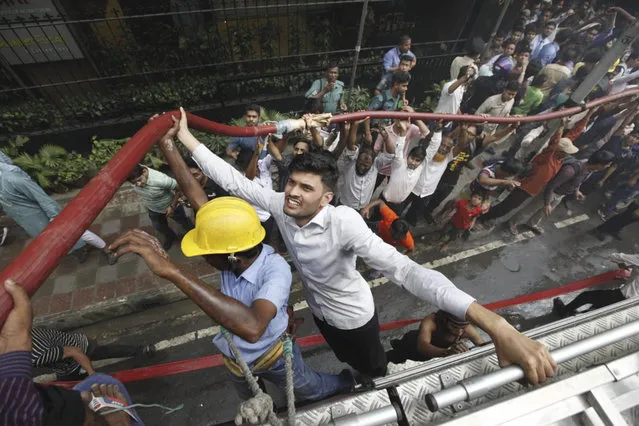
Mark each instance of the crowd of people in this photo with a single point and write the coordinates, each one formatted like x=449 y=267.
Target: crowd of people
x=327 y=194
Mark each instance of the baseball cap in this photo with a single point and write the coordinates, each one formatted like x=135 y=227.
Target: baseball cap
x=567 y=146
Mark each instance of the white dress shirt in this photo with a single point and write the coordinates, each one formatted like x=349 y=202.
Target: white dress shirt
x=358 y=190
x=265 y=180
x=432 y=172
x=325 y=250
x=402 y=179
x=449 y=103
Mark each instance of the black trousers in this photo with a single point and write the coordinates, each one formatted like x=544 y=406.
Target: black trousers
x=95 y=351
x=360 y=348
x=406 y=348
x=417 y=207
x=598 y=299
x=510 y=203
x=616 y=223
x=161 y=224
x=398 y=208
x=443 y=190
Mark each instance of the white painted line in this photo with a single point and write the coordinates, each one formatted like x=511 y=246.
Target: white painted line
x=571 y=221
x=210 y=331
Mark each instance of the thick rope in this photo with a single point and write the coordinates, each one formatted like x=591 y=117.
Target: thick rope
x=290 y=388
x=258 y=409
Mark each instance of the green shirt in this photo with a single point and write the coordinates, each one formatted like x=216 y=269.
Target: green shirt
x=331 y=100
x=532 y=99
x=157 y=194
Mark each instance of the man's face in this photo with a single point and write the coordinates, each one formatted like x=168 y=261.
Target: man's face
x=509 y=49
x=197 y=174
x=251 y=118
x=548 y=29
x=591 y=34
x=476 y=200
x=546 y=16
x=517 y=36
x=141 y=180
x=498 y=41
x=508 y=95
x=404 y=66
x=300 y=148
x=523 y=56
x=401 y=88
x=218 y=261
x=452 y=329
x=412 y=163
x=305 y=195
x=332 y=74
x=445 y=147
x=405 y=46
x=530 y=36
x=364 y=163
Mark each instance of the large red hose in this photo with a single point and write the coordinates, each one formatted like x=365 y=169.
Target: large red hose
x=36 y=262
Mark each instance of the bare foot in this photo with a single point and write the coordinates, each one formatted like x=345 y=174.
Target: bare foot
x=112 y=391
x=513 y=228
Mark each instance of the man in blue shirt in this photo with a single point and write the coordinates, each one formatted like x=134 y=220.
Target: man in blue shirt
x=392 y=57
x=256 y=282
x=252 y=115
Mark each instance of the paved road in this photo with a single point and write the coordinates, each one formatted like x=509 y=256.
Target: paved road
x=559 y=256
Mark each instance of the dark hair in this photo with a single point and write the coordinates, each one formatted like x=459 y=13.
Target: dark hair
x=568 y=55
x=401 y=77
x=563 y=35
x=366 y=150
x=443 y=317
x=532 y=28
x=399 y=228
x=462 y=71
x=512 y=166
x=254 y=107
x=554 y=25
x=243 y=159
x=523 y=48
x=501 y=33
x=583 y=71
x=507 y=42
x=322 y=164
x=539 y=80
x=190 y=163
x=601 y=157
x=513 y=86
x=417 y=152
x=294 y=140
x=406 y=58
x=332 y=65
x=404 y=38
x=135 y=173
x=479 y=192
x=533 y=68
x=593 y=56
x=519 y=28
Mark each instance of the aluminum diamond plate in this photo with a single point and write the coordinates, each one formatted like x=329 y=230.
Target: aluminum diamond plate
x=412 y=390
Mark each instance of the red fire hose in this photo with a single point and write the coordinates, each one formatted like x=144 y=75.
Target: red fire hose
x=36 y=262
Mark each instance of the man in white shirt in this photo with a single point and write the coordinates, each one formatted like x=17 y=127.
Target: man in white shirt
x=324 y=243
x=360 y=170
x=498 y=105
x=546 y=37
x=439 y=153
x=453 y=92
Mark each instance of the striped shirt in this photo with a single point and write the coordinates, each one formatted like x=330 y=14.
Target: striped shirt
x=48 y=349
x=20 y=402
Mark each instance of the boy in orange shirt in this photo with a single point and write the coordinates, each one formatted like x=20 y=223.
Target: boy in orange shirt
x=390 y=227
x=466 y=212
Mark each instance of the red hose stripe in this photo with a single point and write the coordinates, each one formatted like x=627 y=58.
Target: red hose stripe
x=195 y=364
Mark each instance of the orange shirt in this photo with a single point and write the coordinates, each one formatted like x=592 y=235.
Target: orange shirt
x=546 y=165
x=383 y=229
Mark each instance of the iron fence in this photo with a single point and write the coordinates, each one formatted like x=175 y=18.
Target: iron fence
x=69 y=63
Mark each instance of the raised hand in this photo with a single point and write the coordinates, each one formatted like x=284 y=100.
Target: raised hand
x=146 y=246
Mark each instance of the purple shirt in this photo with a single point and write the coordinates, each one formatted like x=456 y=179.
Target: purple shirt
x=20 y=402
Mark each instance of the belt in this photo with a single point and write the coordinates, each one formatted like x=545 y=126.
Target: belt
x=264 y=362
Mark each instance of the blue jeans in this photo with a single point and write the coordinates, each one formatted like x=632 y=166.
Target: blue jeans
x=309 y=384
x=620 y=194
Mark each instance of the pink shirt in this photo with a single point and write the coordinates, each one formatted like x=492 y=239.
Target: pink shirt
x=412 y=134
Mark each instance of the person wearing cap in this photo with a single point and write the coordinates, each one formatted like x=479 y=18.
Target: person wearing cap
x=440 y=334
x=543 y=168
x=599 y=298
x=255 y=285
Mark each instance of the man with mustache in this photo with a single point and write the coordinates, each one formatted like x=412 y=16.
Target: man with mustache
x=252 y=115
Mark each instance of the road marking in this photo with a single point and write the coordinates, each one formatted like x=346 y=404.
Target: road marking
x=211 y=331
x=571 y=221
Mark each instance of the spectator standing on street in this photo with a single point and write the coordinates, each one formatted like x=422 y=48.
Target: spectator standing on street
x=32 y=209
x=327 y=92
x=494 y=48
x=252 y=114
x=386 y=82
x=498 y=106
x=392 y=57
x=533 y=97
x=558 y=71
x=463 y=219
x=485 y=87
x=471 y=58
x=157 y=193
x=541 y=40
x=453 y=92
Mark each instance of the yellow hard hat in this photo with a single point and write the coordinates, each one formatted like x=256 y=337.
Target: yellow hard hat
x=222 y=226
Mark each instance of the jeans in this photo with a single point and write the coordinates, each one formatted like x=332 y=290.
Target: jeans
x=309 y=385
x=620 y=194
x=161 y=224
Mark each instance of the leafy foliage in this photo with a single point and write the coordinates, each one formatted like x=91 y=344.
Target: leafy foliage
x=358 y=98
x=432 y=98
